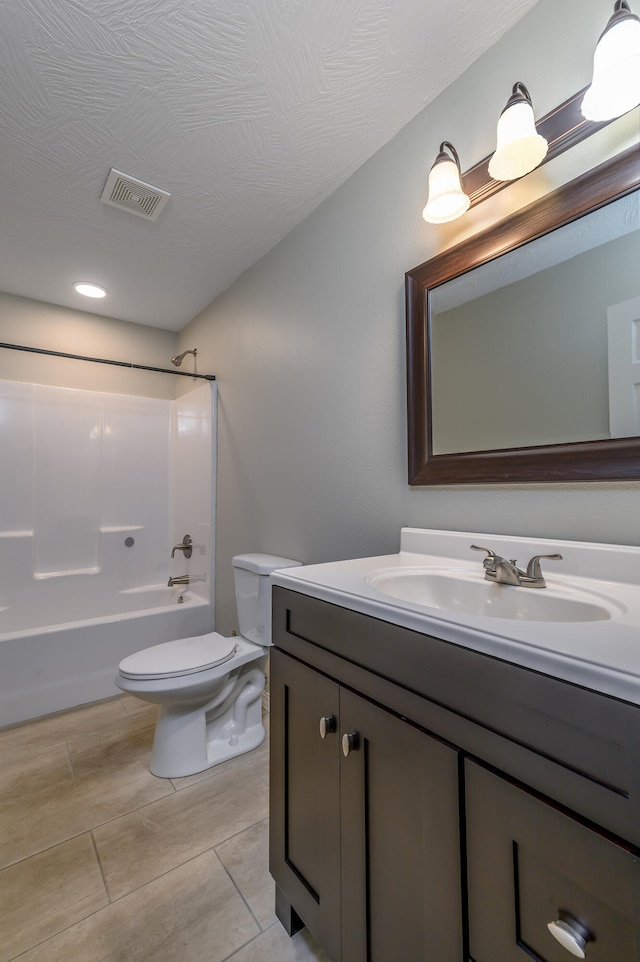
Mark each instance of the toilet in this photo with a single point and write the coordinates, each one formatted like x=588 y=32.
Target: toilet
x=209 y=687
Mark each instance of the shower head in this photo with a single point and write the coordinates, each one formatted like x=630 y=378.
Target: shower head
x=179 y=358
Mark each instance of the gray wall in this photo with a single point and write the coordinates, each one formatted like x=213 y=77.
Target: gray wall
x=36 y=324
x=309 y=345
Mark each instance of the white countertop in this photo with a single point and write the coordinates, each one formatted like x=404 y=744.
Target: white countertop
x=600 y=655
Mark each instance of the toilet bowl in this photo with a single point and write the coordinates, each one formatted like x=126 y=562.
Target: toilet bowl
x=209 y=688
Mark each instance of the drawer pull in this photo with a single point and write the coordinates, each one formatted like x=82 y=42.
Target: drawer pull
x=328 y=725
x=571 y=934
x=350 y=742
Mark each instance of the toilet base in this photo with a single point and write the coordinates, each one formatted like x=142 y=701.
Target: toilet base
x=191 y=741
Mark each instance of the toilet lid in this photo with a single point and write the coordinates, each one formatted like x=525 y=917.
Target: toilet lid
x=181 y=657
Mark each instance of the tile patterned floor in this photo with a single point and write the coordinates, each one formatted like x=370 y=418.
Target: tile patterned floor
x=100 y=861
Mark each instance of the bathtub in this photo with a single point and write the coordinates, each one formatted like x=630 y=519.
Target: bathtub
x=54 y=664
x=96 y=489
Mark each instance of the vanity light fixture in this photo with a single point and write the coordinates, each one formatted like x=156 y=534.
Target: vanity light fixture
x=446 y=200
x=615 y=88
x=520 y=148
x=89 y=290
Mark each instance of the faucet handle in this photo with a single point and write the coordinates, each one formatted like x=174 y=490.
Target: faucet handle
x=533 y=568
x=186 y=547
x=492 y=560
x=491 y=555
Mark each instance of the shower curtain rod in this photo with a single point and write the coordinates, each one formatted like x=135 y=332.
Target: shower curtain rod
x=104 y=360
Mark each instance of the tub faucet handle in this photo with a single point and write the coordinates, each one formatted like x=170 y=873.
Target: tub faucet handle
x=186 y=547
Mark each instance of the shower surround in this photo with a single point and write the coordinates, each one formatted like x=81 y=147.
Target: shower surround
x=95 y=489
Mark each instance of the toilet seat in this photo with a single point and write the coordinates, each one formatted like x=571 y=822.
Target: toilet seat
x=185 y=656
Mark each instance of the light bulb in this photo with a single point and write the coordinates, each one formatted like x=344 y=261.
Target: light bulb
x=447 y=200
x=615 y=87
x=519 y=147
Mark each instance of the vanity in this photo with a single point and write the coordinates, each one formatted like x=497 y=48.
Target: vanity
x=455 y=763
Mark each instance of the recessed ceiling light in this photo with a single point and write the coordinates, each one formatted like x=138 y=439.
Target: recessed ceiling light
x=89 y=290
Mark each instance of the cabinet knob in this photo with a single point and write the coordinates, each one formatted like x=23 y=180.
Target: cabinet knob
x=328 y=725
x=571 y=934
x=350 y=742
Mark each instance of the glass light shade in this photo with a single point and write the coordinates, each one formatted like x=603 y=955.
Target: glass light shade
x=615 y=88
x=447 y=200
x=520 y=148
x=89 y=290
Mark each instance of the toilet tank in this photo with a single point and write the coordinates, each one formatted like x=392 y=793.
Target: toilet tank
x=253 y=593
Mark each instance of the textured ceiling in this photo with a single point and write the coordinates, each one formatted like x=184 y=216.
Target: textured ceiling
x=249 y=112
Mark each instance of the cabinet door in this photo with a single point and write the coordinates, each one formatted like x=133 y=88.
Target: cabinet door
x=529 y=865
x=400 y=841
x=304 y=854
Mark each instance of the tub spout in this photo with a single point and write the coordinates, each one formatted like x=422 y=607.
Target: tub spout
x=185 y=580
x=182 y=580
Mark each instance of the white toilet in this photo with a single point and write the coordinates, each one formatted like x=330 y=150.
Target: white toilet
x=209 y=688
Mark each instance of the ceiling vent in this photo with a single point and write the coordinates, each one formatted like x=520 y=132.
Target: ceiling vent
x=133 y=195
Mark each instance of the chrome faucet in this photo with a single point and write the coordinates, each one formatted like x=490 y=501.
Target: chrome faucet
x=185 y=580
x=504 y=572
x=181 y=580
x=186 y=547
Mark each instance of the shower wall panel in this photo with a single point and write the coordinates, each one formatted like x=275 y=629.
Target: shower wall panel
x=66 y=501
x=16 y=456
x=193 y=451
x=103 y=484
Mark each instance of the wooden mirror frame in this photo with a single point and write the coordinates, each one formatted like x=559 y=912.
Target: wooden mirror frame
x=606 y=460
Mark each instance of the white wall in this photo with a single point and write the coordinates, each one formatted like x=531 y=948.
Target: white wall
x=309 y=345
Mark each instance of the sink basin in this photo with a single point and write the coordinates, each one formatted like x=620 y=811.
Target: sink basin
x=462 y=591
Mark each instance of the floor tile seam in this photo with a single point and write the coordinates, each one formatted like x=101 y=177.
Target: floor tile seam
x=142 y=711
x=87 y=830
x=171 y=794
x=241 y=948
x=12 y=796
x=191 y=858
x=265 y=818
x=114 y=728
x=73 y=709
x=130 y=811
x=77 y=780
x=123 y=706
x=99 y=861
x=212 y=773
x=54 y=935
x=47 y=848
x=229 y=958
x=238 y=890
x=114 y=900
x=74 y=776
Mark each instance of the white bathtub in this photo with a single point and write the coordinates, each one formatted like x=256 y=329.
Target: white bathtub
x=56 y=664
x=95 y=491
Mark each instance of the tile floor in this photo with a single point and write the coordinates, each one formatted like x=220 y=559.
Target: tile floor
x=100 y=861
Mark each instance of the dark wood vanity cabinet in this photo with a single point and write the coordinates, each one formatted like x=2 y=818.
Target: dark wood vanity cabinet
x=530 y=865
x=455 y=806
x=365 y=837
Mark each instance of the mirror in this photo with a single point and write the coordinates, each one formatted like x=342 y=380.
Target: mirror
x=521 y=342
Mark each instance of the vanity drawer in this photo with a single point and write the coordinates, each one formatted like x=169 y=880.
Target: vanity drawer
x=530 y=864
x=570 y=743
